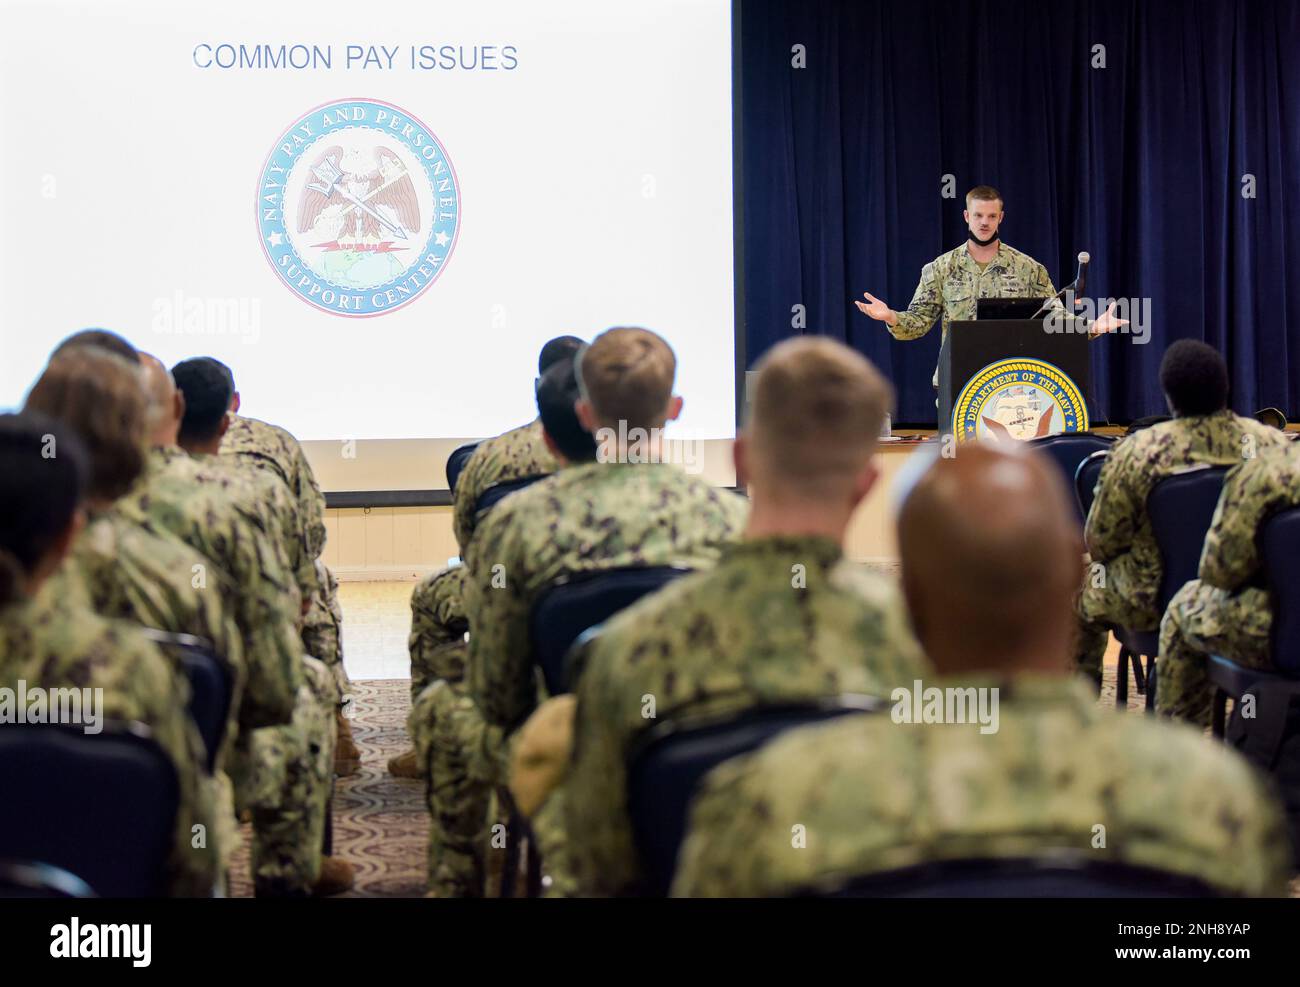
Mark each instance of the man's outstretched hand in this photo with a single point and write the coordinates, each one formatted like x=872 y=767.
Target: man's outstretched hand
x=1106 y=322
x=877 y=309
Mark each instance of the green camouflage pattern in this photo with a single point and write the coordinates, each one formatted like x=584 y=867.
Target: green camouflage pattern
x=275 y=451
x=1225 y=611
x=177 y=497
x=952 y=283
x=59 y=645
x=322 y=629
x=285 y=775
x=867 y=795
x=460 y=755
x=282 y=513
x=1124 y=590
x=779 y=620
x=583 y=519
x=513 y=455
x=270 y=447
x=438 y=626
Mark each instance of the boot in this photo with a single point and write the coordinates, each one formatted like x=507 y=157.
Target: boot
x=405 y=765
x=347 y=759
x=336 y=876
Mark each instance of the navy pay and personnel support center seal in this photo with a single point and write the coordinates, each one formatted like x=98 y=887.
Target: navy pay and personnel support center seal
x=1019 y=398
x=358 y=207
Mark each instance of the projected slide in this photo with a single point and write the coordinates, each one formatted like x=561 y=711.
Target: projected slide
x=374 y=213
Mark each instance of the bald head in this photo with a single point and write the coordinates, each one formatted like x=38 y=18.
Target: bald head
x=991 y=561
x=166 y=405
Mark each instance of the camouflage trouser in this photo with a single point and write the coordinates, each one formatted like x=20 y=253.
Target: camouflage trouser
x=462 y=754
x=284 y=775
x=1203 y=620
x=438 y=626
x=549 y=831
x=322 y=630
x=1103 y=604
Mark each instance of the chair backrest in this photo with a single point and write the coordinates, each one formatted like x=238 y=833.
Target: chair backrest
x=1279 y=544
x=496 y=493
x=581 y=601
x=667 y=762
x=1020 y=877
x=1085 y=479
x=212 y=686
x=32 y=879
x=100 y=806
x=1181 y=507
x=456 y=463
x=1069 y=449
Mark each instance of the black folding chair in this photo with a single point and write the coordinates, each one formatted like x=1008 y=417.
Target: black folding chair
x=571 y=607
x=496 y=493
x=101 y=806
x=212 y=686
x=580 y=601
x=668 y=761
x=456 y=463
x=1069 y=449
x=1181 y=507
x=1085 y=480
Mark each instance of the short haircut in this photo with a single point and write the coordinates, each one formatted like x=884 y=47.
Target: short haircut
x=42 y=478
x=984 y=193
x=1194 y=378
x=817 y=413
x=225 y=370
x=557 y=349
x=102 y=339
x=208 y=388
x=101 y=397
x=557 y=391
x=627 y=375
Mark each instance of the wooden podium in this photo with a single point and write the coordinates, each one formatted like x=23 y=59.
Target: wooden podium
x=990 y=368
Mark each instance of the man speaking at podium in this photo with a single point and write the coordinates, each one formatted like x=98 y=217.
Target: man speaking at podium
x=982 y=267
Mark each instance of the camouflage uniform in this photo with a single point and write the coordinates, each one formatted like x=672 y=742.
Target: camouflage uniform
x=271 y=448
x=1124 y=591
x=211 y=511
x=1226 y=611
x=871 y=795
x=583 y=519
x=437 y=609
x=952 y=283
x=120 y=570
x=63 y=646
x=779 y=620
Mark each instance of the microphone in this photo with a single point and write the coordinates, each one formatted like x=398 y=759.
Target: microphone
x=1077 y=285
x=1084 y=258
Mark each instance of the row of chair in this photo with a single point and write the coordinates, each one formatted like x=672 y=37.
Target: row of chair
x=94 y=814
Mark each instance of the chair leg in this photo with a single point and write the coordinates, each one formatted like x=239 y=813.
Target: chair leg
x=1219 y=713
x=1139 y=677
x=1121 y=678
x=1151 y=684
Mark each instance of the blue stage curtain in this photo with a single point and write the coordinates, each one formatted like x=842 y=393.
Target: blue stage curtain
x=1141 y=163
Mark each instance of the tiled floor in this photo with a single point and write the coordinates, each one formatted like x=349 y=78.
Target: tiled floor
x=376 y=622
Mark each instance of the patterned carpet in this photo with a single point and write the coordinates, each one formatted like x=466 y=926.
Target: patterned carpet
x=381 y=826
